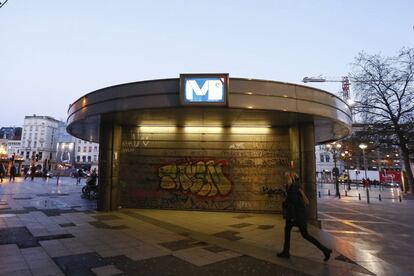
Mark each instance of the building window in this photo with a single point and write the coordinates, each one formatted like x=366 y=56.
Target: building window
x=35 y=144
x=89 y=159
x=327 y=157
x=84 y=159
x=90 y=149
x=322 y=157
x=84 y=149
x=78 y=158
x=95 y=148
x=79 y=149
x=95 y=158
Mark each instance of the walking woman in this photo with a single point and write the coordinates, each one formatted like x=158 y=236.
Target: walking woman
x=2 y=172
x=295 y=214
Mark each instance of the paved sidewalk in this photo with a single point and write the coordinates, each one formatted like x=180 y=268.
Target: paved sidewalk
x=48 y=229
x=382 y=229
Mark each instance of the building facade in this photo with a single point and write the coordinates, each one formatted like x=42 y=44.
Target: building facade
x=39 y=139
x=14 y=148
x=86 y=154
x=325 y=164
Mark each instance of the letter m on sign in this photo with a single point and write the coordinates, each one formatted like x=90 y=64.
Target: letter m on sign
x=204 y=89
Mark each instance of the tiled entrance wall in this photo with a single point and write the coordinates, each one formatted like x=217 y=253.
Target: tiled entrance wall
x=210 y=168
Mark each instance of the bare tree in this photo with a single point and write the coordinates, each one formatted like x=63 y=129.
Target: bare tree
x=384 y=88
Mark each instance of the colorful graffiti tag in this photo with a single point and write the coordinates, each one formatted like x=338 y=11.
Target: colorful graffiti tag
x=200 y=178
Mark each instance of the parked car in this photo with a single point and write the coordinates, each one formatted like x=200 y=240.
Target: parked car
x=392 y=184
x=343 y=178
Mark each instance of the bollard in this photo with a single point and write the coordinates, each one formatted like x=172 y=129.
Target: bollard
x=359 y=196
x=319 y=194
x=329 y=192
x=367 y=195
x=379 y=197
x=346 y=194
x=399 y=198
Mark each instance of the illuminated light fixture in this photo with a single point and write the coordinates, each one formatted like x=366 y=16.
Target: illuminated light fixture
x=157 y=129
x=363 y=146
x=249 y=93
x=250 y=130
x=285 y=96
x=250 y=107
x=284 y=109
x=350 y=102
x=202 y=129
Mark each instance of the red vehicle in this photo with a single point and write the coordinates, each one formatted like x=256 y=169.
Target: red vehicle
x=390 y=177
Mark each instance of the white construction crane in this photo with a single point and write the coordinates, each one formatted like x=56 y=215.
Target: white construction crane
x=344 y=81
x=3 y=3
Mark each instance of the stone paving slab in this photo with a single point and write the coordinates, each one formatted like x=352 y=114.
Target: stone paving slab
x=48 y=229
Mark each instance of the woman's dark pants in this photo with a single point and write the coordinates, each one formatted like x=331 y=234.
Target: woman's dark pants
x=304 y=231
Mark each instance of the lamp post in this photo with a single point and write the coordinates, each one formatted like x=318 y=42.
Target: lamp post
x=334 y=148
x=363 y=147
x=346 y=155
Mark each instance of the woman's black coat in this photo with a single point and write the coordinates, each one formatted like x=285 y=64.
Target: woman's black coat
x=295 y=209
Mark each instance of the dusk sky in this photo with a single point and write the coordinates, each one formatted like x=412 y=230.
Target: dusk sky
x=53 y=52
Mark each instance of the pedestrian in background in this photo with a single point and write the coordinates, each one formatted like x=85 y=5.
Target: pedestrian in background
x=26 y=172
x=2 y=171
x=44 y=173
x=79 y=177
x=13 y=173
x=294 y=209
x=32 y=172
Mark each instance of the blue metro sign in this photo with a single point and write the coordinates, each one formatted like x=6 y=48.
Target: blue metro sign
x=204 y=89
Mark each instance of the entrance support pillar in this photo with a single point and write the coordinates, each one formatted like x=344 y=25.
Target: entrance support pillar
x=302 y=148
x=109 y=154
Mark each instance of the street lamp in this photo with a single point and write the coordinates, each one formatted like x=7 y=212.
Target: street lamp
x=334 y=148
x=363 y=147
x=346 y=155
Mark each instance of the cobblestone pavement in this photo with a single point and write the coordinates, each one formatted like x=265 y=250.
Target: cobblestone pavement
x=383 y=229
x=46 y=228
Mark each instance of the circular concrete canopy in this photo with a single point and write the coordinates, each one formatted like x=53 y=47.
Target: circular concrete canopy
x=251 y=103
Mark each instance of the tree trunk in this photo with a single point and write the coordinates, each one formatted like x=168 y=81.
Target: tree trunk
x=408 y=171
